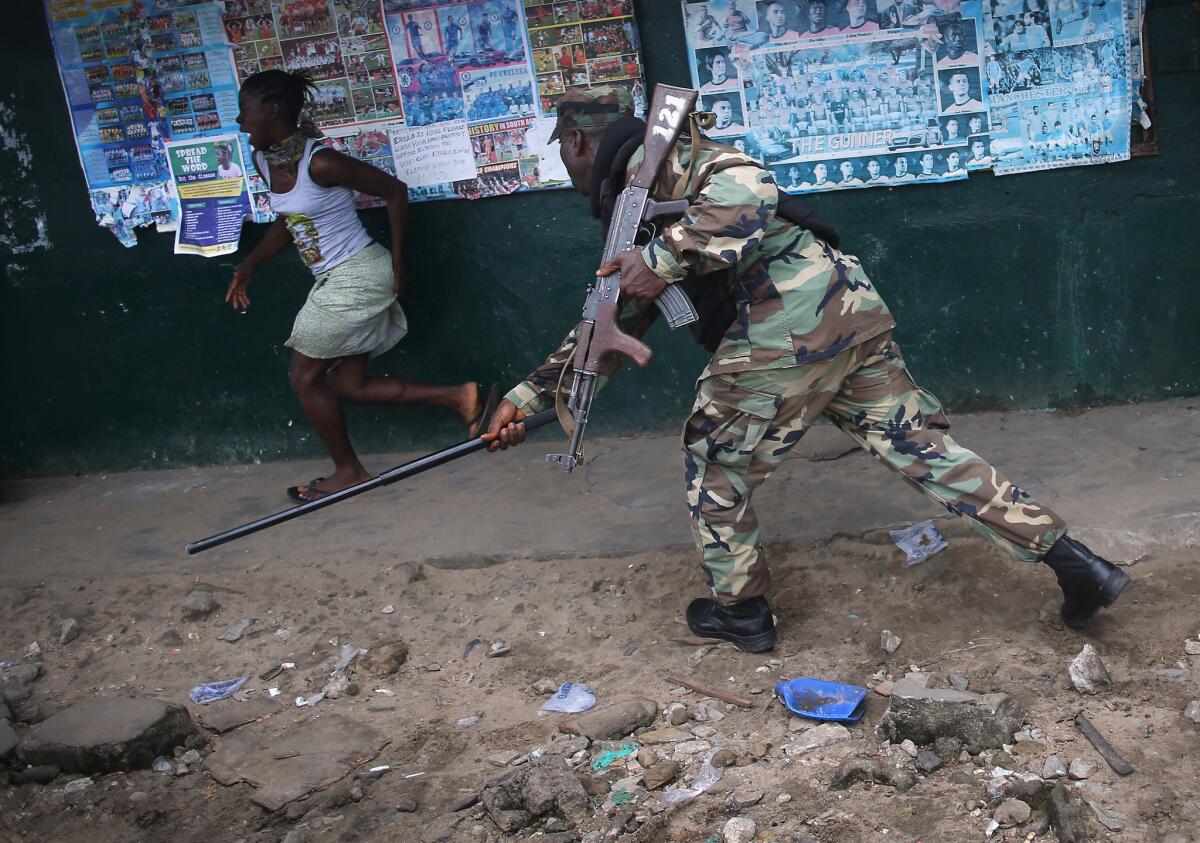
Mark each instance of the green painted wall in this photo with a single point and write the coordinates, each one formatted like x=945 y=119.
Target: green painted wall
x=1041 y=290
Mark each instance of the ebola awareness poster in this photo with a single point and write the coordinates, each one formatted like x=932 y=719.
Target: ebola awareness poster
x=210 y=177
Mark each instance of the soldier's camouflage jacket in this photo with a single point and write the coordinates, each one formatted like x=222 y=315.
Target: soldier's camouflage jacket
x=800 y=300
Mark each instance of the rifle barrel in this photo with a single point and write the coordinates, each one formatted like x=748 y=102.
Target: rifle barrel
x=400 y=472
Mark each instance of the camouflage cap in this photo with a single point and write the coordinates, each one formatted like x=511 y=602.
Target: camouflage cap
x=599 y=106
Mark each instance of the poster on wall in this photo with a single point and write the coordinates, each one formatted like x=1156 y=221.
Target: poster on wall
x=340 y=44
x=1059 y=82
x=853 y=94
x=873 y=93
x=135 y=75
x=500 y=67
x=103 y=53
x=209 y=175
x=482 y=77
x=367 y=143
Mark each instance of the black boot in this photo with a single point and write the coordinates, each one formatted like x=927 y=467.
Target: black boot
x=1088 y=582
x=749 y=624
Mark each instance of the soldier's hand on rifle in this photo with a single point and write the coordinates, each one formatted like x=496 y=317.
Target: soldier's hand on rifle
x=505 y=428
x=638 y=281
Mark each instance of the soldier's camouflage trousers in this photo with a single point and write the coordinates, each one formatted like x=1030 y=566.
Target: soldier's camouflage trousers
x=744 y=424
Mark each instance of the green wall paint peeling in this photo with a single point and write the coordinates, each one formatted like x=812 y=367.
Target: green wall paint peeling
x=1052 y=289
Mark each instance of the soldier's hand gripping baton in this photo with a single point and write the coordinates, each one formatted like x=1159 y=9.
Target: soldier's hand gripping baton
x=400 y=472
x=599 y=333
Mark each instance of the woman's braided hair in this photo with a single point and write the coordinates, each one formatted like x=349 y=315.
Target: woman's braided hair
x=292 y=91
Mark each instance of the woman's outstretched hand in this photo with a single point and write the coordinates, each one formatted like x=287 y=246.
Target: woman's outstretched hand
x=236 y=292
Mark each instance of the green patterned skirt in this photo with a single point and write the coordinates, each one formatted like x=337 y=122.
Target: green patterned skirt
x=350 y=310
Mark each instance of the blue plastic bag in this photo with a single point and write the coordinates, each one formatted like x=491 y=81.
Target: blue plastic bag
x=571 y=697
x=919 y=542
x=820 y=699
x=207 y=692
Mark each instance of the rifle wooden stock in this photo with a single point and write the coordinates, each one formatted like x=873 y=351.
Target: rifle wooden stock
x=669 y=110
x=605 y=335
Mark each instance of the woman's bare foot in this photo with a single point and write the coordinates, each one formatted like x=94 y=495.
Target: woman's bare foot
x=340 y=479
x=470 y=403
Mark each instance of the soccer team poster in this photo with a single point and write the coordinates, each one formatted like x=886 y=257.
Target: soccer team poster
x=457 y=96
x=464 y=90
x=837 y=94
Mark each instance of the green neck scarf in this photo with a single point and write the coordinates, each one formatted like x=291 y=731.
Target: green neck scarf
x=286 y=154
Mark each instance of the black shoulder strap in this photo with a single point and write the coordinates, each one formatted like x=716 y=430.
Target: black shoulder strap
x=799 y=214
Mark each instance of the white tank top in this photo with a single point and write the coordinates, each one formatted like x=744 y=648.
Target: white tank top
x=323 y=220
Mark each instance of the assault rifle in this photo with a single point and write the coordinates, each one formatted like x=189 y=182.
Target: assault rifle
x=599 y=333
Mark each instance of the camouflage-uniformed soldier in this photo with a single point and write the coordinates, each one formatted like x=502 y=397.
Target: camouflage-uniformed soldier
x=811 y=337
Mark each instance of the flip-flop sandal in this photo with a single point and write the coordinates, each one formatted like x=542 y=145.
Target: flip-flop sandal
x=307 y=493
x=488 y=403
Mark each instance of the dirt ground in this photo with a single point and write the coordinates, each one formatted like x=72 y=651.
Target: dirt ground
x=608 y=622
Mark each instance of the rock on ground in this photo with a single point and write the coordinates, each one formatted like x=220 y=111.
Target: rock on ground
x=659 y=774
x=236 y=631
x=925 y=714
x=38 y=775
x=746 y=797
x=197 y=605
x=77 y=786
x=545 y=686
x=889 y=641
x=409 y=572
x=817 y=737
x=1012 y=812
x=103 y=734
x=612 y=721
x=928 y=761
x=1081 y=768
x=283 y=765
x=1068 y=816
x=1088 y=674
x=1107 y=817
x=947 y=748
x=543 y=787
x=383 y=659
x=69 y=631
x=1053 y=768
x=224 y=716
x=1192 y=711
x=661 y=736
x=677 y=714
x=860 y=769
x=21 y=674
x=8 y=740
x=299 y=834
x=448 y=828
x=740 y=830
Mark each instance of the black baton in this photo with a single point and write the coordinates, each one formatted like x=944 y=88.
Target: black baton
x=400 y=472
